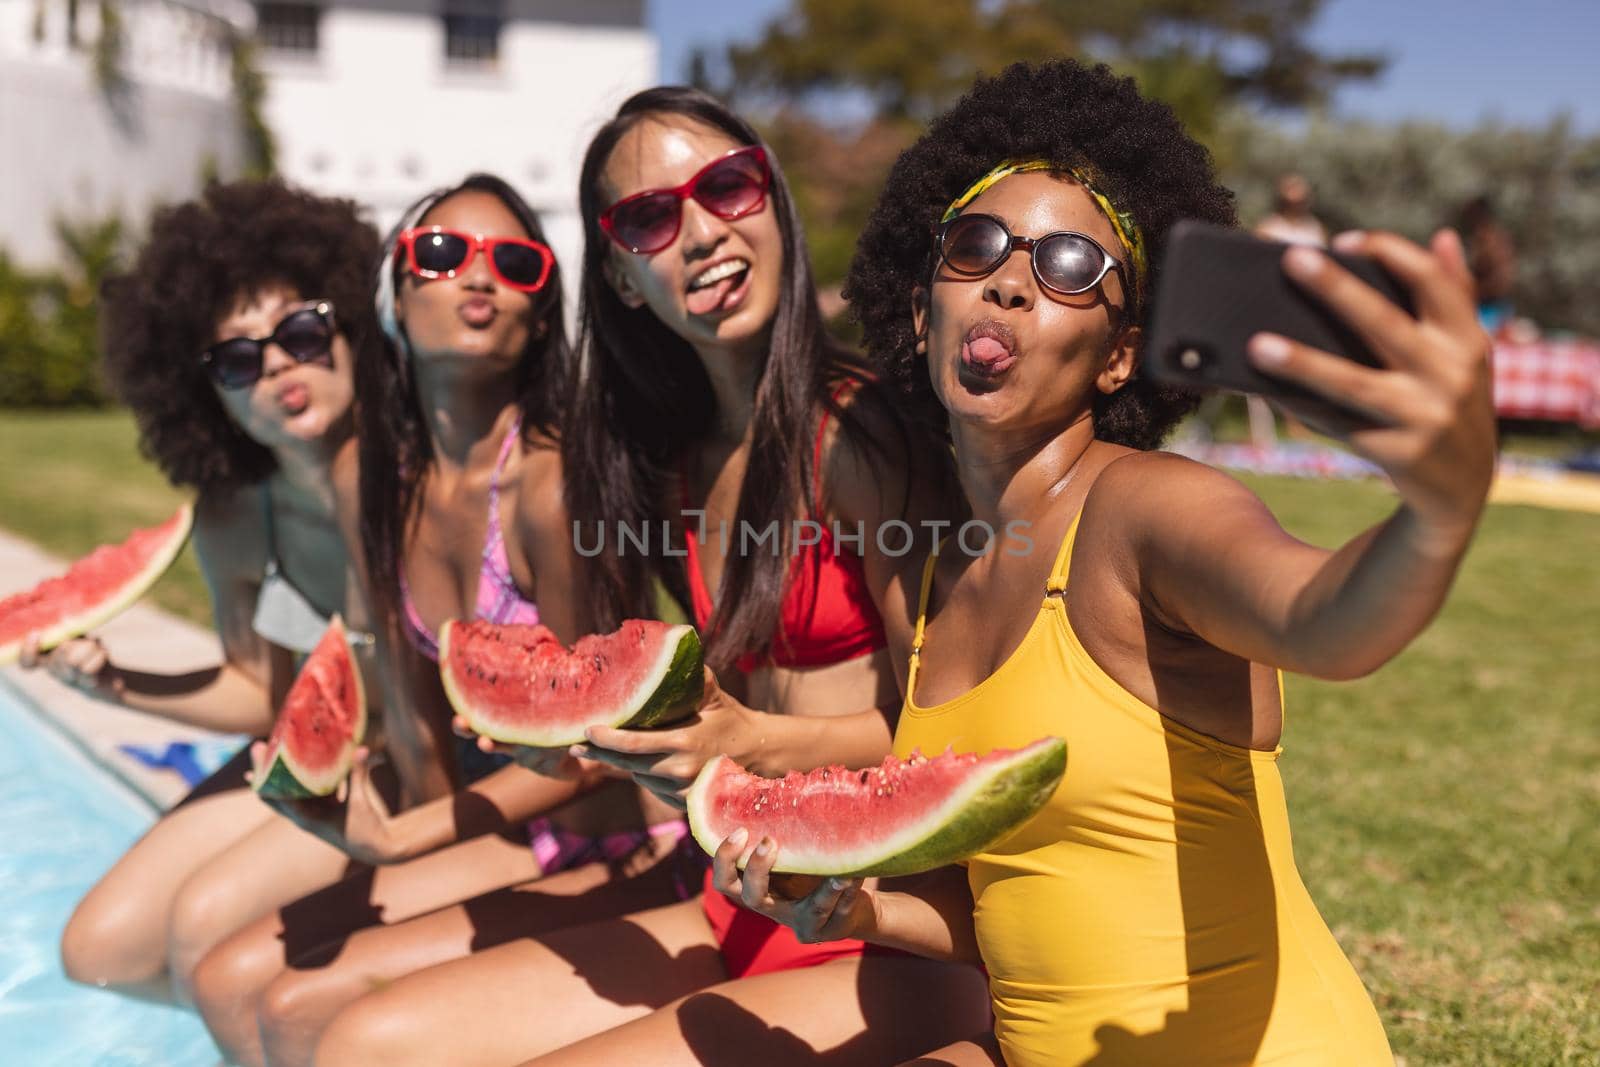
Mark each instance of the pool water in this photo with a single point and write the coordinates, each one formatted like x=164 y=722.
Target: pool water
x=63 y=822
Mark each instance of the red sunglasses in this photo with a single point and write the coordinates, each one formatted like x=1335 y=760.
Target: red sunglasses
x=731 y=186
x=437 y=252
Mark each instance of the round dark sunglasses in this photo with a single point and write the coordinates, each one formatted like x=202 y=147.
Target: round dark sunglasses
x=306 y=334
x=731 y=186
x=438 y=252
x=1065 y=262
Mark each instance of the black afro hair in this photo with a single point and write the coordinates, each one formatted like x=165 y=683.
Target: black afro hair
x=234 y=239
x=1070 y=114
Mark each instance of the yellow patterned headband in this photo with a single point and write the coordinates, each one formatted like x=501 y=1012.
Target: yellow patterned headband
x=1122 y=222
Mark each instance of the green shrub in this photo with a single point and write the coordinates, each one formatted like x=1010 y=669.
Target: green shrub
x=49 y=321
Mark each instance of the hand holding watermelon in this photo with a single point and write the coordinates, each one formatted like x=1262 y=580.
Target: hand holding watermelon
x=666 y=762
x=82 y=663
x=354 y=819
x=550 y=762
x=816 y=909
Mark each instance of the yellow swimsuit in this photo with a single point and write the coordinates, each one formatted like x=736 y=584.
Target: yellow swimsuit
x=1151 y=913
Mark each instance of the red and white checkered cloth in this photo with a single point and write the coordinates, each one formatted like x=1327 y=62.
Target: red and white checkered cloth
x=1555 y=380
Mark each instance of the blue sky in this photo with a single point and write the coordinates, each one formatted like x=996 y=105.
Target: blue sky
x=1454 y=61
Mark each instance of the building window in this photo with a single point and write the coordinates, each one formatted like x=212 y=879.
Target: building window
x=472 y=32
x=288 y=26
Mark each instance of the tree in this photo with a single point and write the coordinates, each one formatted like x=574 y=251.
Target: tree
x=1544 y=183
x=914 y=57
x=907 y=60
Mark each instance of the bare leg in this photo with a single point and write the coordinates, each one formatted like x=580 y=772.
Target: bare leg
x=300 y=1001
x=275 y=863
x=314 y=926
x=980 y=1051
x=529 y=996
x=868 y=1009
x=118 y=933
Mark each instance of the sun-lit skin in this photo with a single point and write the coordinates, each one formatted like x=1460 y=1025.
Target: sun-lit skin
x=473 y=314
x=1067 y=347
x=663 y=152
x=293 y=404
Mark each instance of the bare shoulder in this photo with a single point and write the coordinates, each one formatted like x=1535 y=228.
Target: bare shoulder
x=1141 y=491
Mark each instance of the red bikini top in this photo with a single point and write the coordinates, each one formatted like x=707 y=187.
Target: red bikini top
x=827 y=616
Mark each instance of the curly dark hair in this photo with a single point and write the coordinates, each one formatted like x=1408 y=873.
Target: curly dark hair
x=1066 y=113
x=235 y=239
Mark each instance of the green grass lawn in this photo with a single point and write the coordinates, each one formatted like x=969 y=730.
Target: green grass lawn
x=73 y=480
x=1446 y=810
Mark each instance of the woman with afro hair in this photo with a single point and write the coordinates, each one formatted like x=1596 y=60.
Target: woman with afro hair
x=1151 y=913
x=232 y=338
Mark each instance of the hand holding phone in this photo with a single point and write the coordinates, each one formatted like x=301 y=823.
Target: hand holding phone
x=1219 y=287
x=1408 y=390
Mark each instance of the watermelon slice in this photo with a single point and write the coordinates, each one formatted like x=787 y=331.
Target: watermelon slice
x=520 y=685
x=900 y=817
x=94 y=589
x=314 y=741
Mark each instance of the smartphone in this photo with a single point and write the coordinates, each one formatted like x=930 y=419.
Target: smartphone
x=1220 y=286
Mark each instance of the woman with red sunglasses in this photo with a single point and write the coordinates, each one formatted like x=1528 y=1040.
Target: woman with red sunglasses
x=232 y=338
x=460 y=516
x=712 y=396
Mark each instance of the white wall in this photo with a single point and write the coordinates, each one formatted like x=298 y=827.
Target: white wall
x=378 y=116
x=65 y=150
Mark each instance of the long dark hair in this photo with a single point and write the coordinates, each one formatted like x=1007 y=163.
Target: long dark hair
x=396 y=450
x=643 y=398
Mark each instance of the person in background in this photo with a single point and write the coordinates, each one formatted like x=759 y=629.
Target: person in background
x=1292 y=220
x=1492 y=255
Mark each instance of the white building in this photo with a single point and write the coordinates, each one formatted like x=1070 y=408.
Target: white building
x=382 y=100
x=78 y=146
x=377 y=100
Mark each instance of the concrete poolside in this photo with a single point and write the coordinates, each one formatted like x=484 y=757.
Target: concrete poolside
x=142 y=636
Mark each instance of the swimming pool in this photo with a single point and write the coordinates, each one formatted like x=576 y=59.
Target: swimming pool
x=63 y=822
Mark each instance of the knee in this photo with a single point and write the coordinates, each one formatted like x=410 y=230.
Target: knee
x=100 y=946
x=203 y=914
x=369 y=1031
x=227 y=982
x=291 y=1012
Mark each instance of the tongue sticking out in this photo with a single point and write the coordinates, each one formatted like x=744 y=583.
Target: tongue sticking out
x=711 y=298
x=986 y=355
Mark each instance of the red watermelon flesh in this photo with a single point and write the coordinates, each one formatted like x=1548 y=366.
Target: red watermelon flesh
x=520 y=685
x=900 y=817
x=320 y=725
x=94 y=589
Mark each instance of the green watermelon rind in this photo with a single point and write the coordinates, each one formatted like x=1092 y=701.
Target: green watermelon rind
x=669 y=693
x=137 y=585
x=281 y=782
x=285 y=779
x=973 y=819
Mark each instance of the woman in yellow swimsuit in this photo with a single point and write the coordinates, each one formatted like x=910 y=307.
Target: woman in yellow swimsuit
x=1141 y=605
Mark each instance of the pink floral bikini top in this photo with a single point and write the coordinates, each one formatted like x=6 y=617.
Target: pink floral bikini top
x=499 y=599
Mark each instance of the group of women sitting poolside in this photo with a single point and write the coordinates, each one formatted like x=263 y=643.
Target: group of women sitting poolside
x=423 y=445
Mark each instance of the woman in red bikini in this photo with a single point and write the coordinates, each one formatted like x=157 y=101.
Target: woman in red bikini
x=461 y=516
x=712 y=388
